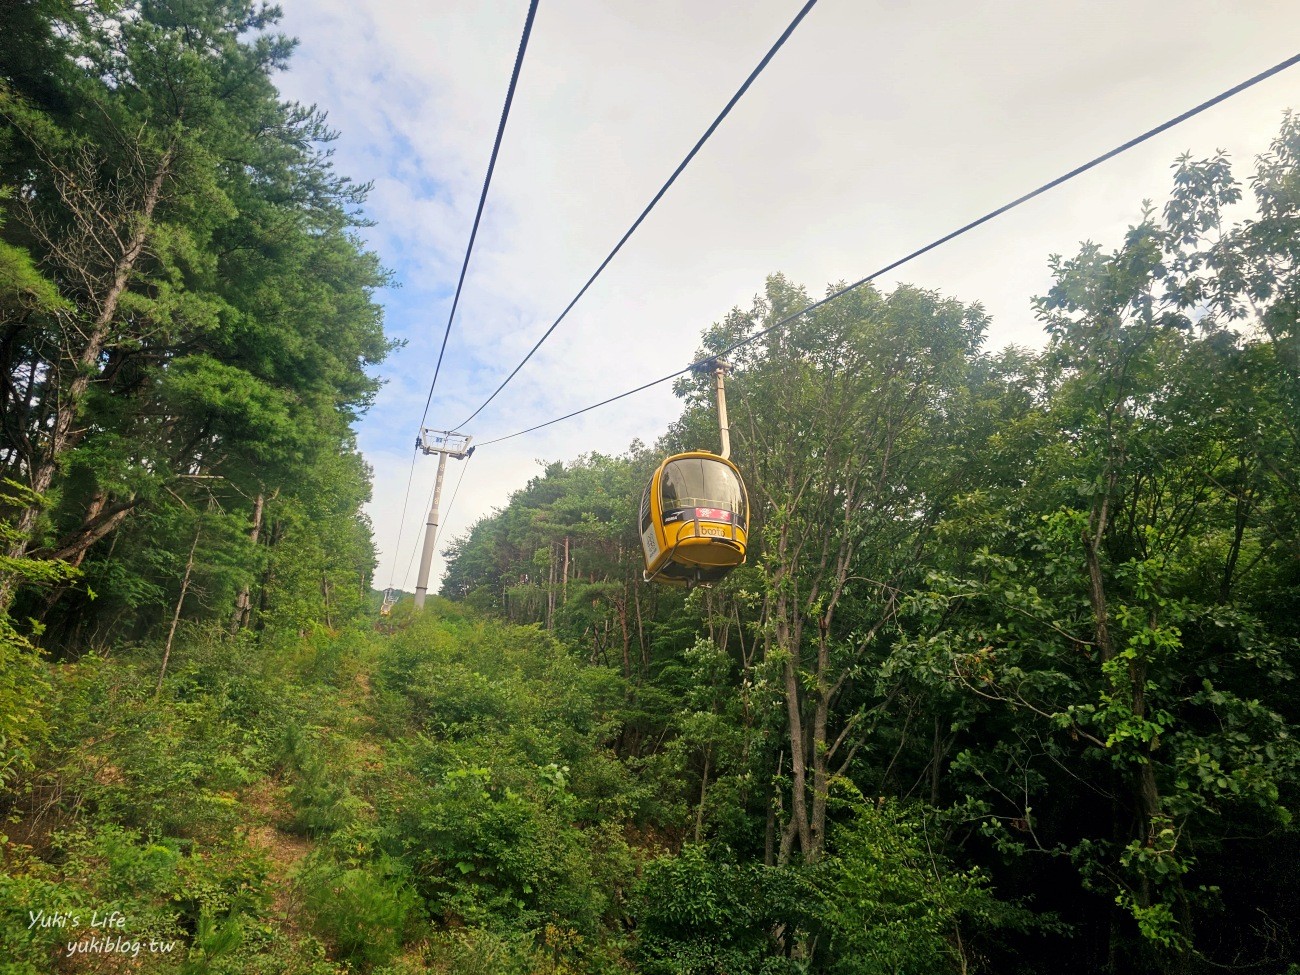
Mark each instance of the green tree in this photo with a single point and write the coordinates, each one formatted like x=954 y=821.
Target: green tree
x=214 y=318
x=1106 y=623
x=843 y=427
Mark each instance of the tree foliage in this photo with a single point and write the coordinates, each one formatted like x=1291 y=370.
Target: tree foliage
x=187 y=314
x=1007 y=683
x=1051 y=595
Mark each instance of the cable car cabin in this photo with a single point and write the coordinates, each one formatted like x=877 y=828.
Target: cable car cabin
x=694 y=519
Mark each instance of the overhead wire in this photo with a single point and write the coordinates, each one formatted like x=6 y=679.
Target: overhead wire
x=1052 y=184
x=447 y=515
x=487 y=181
x=410 y=564
x=446 y=518
x=780 y=41
x=406 y=497
x=469 y=249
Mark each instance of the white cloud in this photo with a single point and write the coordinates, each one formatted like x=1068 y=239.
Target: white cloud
x=879 y=127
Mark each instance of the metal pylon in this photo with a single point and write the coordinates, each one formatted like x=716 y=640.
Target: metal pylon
x=445 y=444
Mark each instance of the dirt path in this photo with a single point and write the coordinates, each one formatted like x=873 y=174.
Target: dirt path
x=268 y=832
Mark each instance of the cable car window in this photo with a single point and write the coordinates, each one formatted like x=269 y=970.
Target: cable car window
x=645 y=506
x=700 y=482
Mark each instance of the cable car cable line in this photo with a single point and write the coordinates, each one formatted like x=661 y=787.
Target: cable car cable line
x=450 y=504
x=482 y=200
x=411 y=562
x=401 y=525
x=780 y=41
x=446 y=518
x=1078 y=170
x=460 y=283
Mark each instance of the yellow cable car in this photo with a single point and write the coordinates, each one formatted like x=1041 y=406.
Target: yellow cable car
x=694 y=520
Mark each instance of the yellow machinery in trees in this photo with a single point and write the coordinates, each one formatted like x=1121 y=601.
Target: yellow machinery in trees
x=695 y=512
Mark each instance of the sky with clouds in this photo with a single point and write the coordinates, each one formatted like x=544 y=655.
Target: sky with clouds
x=880 y=125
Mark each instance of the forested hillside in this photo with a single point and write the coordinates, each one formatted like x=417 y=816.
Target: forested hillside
x=1006 y=684
x=1042 y=605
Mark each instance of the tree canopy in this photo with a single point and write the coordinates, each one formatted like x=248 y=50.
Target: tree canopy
x=1006 y=683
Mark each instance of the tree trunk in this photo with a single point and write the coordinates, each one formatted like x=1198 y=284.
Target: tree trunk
x=176 y=616
x=820 y=754
x=798 y=768
x=704 y=788
x=769 y=828
x=268 y=575
x=620 y=607
x=1098 y=521
x=564 y=583
x=101 y=520
x=325 y=595
x=640 y=629
x=62 y=437
x=550 y=590
x=1143 y=788
x=244 y=602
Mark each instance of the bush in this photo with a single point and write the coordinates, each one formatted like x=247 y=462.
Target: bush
x=23 y=683
x=887 y=901
x=323 y=803
x=700 y=916
x=362 y=911
x=207 y=900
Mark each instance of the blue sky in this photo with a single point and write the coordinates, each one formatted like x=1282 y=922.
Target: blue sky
x=880 y=126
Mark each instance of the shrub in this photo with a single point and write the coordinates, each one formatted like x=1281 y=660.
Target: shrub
x=887 y=901
x=700 y=916
x=322 y=800
x=362 y=911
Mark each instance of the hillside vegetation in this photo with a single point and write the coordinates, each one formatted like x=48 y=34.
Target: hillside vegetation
x=1044 y=602
x=444 y=793
x=1007 y=683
